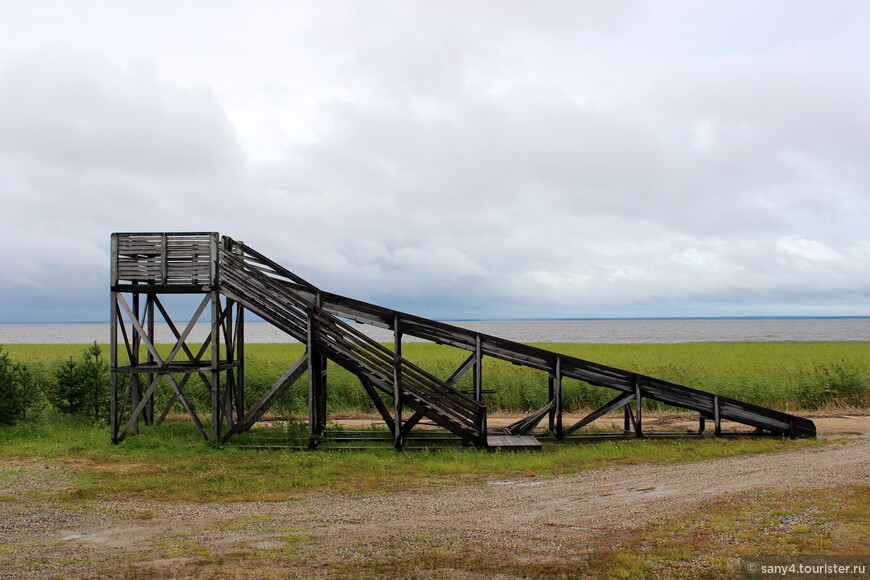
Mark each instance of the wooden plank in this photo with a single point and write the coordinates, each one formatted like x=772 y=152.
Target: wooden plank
x=513 y=442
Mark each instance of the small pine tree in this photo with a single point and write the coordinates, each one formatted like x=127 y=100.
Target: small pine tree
x=18 y=391
x=80 y=387
x=94 y=373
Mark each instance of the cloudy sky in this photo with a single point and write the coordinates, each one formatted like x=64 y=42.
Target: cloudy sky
x=468 y=159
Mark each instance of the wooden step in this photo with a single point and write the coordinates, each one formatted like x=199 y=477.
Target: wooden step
x=513 y=442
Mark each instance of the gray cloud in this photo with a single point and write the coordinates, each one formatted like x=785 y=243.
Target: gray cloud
x=87 y=148
x=457 y=161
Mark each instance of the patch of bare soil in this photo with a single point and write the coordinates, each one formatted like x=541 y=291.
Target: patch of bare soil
x=825 y=424
x=530 y=519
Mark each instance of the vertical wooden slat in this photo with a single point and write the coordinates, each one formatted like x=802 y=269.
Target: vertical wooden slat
x=214 y=261
x=164 y=265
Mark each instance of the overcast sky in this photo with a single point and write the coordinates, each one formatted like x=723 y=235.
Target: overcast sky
x=493 y=159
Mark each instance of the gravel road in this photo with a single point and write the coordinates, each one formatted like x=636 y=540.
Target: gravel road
x=540 y=518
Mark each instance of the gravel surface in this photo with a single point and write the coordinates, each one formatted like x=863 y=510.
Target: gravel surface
x=540 y=519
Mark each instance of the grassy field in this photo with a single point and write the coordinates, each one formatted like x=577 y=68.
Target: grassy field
x=787 y=376
x=171 y=462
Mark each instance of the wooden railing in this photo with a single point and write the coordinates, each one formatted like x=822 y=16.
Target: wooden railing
x=176 y=259
x=276 y=295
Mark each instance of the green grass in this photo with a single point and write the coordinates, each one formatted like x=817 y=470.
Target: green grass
x=787 y=376
x=706 y=543
x=171 y=462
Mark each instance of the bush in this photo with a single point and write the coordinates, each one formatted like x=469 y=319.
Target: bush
x=81 y=387
x=19 y=394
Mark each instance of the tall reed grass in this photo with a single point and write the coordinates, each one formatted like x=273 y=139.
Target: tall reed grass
x=787 y=376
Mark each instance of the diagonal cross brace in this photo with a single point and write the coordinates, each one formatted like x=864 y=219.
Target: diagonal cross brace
x=259 y=408
x=181 y=343
x=615 y=403
x=524 y=426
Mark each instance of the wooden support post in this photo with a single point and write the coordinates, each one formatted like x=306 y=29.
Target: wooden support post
x=626 y=425
x=240 y=357
x=113 y=341
x=317 y=382
x=135 y=386
x=397 y=384
x=551 y=394
x=558 y=396
x=215 y=368
x=716 y=417
x=149 y=313
x=702 y=423
x=113 y=359
x=321 y=401
x=313 y=369
x=478 y=370
x=230 y=391
x=638 y=425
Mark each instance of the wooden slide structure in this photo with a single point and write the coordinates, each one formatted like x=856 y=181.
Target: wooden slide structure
x=233 y=278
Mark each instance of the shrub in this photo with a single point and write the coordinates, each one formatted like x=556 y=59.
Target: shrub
x=18 y=391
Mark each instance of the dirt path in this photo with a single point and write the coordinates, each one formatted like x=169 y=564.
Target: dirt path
x=539 y=519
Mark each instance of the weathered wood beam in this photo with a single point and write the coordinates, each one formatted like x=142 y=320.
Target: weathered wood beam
x=608 y=407
x=378 y=403
x=397 y=384
x=526 y=425
x=461 y=370
x=258 y=409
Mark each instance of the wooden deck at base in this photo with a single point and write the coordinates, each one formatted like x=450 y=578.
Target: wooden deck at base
x=509 y=442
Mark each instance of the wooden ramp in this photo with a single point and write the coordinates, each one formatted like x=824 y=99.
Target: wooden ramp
x=234 y=278
x=513 y=442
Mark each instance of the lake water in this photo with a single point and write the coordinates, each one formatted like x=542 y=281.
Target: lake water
x=589 y=331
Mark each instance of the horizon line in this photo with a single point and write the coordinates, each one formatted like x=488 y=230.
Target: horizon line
x=560 y=319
